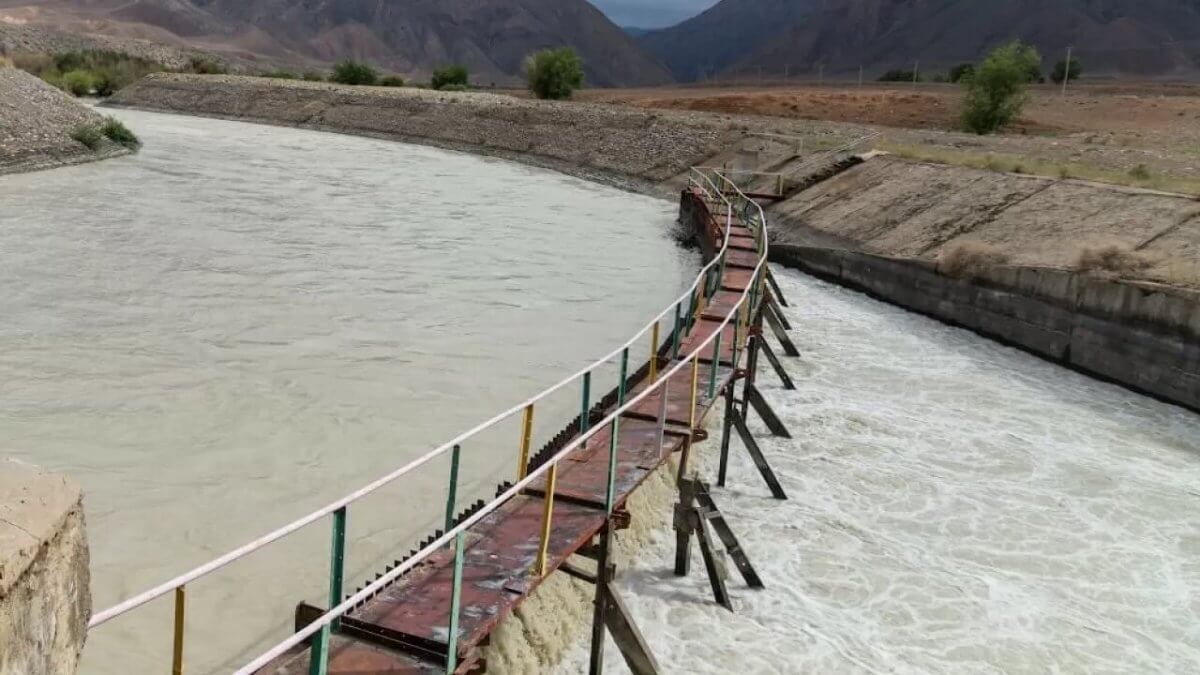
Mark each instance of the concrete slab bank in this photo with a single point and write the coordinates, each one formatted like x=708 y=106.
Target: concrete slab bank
x=1141 y=336
x=44 y=598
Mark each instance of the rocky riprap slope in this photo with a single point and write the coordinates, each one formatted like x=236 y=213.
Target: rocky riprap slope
x=36 y=123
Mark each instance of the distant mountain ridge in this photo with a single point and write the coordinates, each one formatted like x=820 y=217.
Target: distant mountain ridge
x=1128 y=38
x=412 y=37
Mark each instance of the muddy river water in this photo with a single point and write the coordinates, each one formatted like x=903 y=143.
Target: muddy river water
x=242 y=322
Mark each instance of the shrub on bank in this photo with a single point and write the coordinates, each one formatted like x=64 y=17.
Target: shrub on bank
x=392 y=81
x=448 y=76
x=117 y=132
x=279 y=75
x=354 y=72
x=313 y=76
x=900 y=75
x=554 y=73
x=207 y=65
x=1062 y=72
x=455 y=87
x=995 y=94
x=78 y=82
x=88 y=135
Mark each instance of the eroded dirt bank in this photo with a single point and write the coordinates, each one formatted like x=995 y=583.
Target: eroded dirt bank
x=638 y=148
x=36 y=123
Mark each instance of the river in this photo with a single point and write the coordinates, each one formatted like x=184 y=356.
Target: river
x=243 y=322
x=954 y=506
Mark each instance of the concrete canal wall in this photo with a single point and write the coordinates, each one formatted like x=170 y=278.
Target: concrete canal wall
x=1144 y=336
x=44 y=598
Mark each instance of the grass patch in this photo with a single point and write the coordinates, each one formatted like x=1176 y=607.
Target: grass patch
x=115 y=131
x=1137 y=177
x=88 y=135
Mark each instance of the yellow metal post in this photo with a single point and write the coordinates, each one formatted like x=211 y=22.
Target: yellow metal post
x=177 y=651
x=654 y=353
x=526 y=436
x=547 y=513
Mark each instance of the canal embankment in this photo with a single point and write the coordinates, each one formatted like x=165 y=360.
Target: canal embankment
x=1101 y=278
x=39 y=126
x=640 y=149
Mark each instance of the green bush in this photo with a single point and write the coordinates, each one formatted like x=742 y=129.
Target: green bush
x=449 y=75
x=961 y=72
x=995 y=95
x=312 y=76
x=1061 y=73
x=455 y=87
x=279 y=75
x=554 y=73
x=109 y=71
x=78 y=82
x=353 y=72
x=899 y=75
x=392 y=81
x=88 y=135
x=117 y=132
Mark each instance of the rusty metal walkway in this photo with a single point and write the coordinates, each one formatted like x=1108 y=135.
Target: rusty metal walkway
x=432 y=611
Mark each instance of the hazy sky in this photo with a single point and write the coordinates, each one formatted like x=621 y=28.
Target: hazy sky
x=651 y=13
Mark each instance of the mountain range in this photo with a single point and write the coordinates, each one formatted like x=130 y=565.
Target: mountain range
x=1128 y=38
x=1114 y=38
x=410 y=37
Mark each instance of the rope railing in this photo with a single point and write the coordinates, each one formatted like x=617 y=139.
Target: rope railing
x=695 y=296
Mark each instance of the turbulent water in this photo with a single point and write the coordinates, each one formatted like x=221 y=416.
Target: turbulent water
x=955 y=506
x=241 y=323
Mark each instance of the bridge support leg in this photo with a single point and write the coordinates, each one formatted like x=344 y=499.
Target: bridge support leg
x=596 y=662
x=774 y=304
x=755 y=398
x=756 y=454
x=698 y=514
x=776 y=365
x=775 y=288
x=612 y=613
x=780 y=334
x=726 y=432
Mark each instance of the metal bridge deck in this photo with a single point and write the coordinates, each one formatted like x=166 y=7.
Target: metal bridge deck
x=413 y=613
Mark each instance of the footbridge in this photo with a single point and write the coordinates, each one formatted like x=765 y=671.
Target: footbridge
x=434 y=610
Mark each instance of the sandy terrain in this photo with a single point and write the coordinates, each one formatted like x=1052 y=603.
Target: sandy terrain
x=1110 y=127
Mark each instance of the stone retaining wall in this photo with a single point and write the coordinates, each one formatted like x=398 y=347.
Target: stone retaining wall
x=45 y=602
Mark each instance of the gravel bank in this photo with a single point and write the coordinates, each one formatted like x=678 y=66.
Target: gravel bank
x=639 y=149
x=36 y=122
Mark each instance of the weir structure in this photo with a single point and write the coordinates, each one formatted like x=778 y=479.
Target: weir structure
x=432 y=611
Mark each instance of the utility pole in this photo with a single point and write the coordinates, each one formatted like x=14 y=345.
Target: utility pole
x=916 y=72
x=1067 y=71
x=860 y=77
x=787 y=72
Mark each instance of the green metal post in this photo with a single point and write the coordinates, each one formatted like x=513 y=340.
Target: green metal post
x=691 y=310
x=734 y=351
x=609 y=494
x=584 y=422
x=318 y=660
x=337 y=562
x=715 y=366
x=452 y=496
x=675 y=334
x=455 y=601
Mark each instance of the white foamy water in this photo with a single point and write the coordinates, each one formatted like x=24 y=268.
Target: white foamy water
x=242 y=323
x=956 y=506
